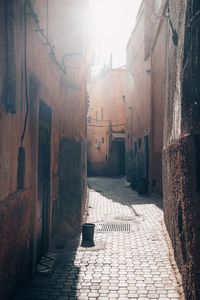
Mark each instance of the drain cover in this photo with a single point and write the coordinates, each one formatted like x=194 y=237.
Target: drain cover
x=113 y=227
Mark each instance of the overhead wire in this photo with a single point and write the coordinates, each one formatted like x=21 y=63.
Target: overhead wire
x=114 y=125
x=47 y=42
x=90 y=132
x=109 y=120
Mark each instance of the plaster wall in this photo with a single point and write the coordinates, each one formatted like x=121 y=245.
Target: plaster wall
x=65 y=94
x=158 y=98
x=138 y=108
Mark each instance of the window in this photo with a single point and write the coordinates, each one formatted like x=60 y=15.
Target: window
x=102 y=140
x=124 y=98
x=96 y=115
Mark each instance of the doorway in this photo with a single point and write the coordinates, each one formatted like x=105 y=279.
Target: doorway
x=44 y=158
x=121 y=149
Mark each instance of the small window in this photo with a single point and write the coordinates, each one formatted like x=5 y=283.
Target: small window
x=124 y=98
x=139 y=143
x=96 y=115
x=102 y=140
x=128 y=136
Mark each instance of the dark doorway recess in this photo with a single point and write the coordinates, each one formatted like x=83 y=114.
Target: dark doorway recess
x=121 y=158
x=44 y=146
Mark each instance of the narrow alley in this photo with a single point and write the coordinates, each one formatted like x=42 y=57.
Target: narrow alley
x=131 y=258
x=99 y=130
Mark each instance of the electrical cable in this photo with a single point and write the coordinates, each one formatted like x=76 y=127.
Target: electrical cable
x=60 y=66
x=193 y=19
x=95 y=133
x=97 y=120
x=175 y=37
x=114 y=125
x=51 y=47
x=25 y=76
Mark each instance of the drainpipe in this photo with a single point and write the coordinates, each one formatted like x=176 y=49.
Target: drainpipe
x=150 y=166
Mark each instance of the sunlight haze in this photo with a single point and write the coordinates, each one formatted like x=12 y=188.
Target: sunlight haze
x=112 y=22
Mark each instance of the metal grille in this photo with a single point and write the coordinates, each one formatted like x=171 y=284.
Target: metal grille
x=125 y=227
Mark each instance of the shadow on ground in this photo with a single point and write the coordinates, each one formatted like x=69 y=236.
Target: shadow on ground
x=119 y=190
x=60 y=285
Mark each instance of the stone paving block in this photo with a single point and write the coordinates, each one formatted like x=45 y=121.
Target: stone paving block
x=132 y=265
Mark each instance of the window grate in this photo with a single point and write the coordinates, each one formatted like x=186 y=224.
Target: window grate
x=105 y=227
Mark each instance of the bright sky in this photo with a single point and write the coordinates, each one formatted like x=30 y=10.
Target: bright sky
x=113 y=22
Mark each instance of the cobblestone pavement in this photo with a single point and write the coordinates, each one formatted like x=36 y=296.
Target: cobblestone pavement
x=133 y=264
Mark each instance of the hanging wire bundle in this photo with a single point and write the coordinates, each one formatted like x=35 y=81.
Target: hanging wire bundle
x=51 y=47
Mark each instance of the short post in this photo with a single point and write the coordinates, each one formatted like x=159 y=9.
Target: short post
x=88 y=235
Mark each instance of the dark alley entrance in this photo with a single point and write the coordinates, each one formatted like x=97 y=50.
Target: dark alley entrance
x=116 y=165
x=121 y=159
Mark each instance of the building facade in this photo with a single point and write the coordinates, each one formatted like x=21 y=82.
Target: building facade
x=138 y=106
x=167 y=112
x=106 y=123
x=146 y=63
x=181 y=141
x=43 y=104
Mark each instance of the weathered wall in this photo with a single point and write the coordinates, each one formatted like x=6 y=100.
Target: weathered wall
x=181 y=144
x=146 y=61
x=106 y=114
x=16 y=225
x=181 y=207
x=66 y=96
x=138 y=104
x=72 y=189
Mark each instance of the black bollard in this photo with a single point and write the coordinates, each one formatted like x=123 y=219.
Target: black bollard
x=88 y=235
